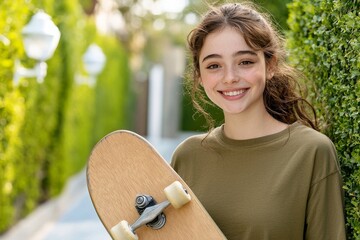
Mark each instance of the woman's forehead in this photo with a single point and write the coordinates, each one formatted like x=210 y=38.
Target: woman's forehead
x=226 y=41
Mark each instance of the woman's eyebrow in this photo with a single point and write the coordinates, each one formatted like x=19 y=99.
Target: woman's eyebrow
x=242 y=52
x=211 y=56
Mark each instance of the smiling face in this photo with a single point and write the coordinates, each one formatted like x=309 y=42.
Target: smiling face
x=233 y=74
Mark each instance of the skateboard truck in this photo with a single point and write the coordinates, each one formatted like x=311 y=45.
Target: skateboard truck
x=176 y=195
x=142 y=202
x=151 y=213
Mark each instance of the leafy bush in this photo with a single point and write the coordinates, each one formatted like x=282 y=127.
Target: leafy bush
x=12 y=111
x=324 y=38
x=113 y=93
x=47 y=130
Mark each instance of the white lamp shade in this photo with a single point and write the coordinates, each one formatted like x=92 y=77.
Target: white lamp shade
x=41 y=37
x=94 y=60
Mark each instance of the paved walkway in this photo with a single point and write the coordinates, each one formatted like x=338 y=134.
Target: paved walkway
x=71 y=216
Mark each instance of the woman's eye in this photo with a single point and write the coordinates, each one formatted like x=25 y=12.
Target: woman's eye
x=213 y=66
x=246 y=63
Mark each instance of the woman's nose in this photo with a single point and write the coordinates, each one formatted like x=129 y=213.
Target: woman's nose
x=230 y=76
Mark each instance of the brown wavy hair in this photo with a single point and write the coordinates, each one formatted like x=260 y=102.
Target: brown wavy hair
x=282 y=94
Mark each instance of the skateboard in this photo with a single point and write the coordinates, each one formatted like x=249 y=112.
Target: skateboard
x=137 y=195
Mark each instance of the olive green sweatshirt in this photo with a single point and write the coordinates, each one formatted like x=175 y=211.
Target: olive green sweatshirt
x=284 y=186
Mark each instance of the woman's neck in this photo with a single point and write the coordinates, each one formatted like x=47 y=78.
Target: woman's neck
x=244 y=126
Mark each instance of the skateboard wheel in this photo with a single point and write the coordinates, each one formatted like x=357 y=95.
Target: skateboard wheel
x=177 y=195
x=122 y=231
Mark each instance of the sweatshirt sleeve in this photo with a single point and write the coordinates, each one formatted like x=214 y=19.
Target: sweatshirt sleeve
x=325 y=209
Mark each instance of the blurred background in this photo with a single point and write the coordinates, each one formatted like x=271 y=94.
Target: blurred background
x=120 y=64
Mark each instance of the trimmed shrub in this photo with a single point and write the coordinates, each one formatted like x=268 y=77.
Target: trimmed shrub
x=47 y=130
x=13 y=108
x=113 y=93
x=324 y=39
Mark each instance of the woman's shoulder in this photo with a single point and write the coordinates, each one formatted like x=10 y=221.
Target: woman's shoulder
x=196 y=144
x=186 y=149
x=318 y=145
x=311 y=137
x=191 y=142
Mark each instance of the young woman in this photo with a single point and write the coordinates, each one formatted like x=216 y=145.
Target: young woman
x=266 y=173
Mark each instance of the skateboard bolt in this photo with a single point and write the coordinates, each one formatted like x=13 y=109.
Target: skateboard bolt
x=142 y=201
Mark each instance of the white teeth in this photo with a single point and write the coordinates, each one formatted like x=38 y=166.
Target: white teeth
x=234 y=93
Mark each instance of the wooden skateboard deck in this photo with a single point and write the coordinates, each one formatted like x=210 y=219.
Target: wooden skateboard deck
x=123 y=165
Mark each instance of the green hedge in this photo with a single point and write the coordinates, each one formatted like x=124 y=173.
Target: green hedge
x=324 y=38
x=113 y=97
x=13 y=108
x=47 y=130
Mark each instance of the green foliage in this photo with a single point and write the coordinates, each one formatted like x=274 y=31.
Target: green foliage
x=67 y=58
x=324 y=38
x=192 y=120
x=12 y=107
x=277 y=9
x=47 y=130
x=113 y=93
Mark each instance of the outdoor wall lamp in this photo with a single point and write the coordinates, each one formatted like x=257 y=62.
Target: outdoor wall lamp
x=4 y=40
x=94 y=61
x=40 y=37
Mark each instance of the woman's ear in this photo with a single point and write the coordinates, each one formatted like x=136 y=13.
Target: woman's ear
x=269 y=74
x=270 y=68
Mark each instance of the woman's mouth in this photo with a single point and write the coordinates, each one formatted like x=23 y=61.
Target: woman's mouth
x=234 y=92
